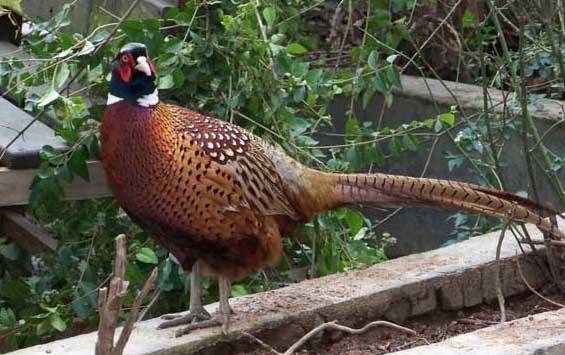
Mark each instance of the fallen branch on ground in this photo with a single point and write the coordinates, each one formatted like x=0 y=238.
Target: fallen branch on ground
x=328 y=325
x=110 y=303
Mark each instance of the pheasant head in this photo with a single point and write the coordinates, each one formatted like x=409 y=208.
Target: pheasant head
x=133 y=77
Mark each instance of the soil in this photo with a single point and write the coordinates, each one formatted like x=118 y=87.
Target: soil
x=431 y=328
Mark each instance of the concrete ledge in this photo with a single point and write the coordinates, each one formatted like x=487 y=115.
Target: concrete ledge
x=541 y=334
x=469 y=98
x=453 y=277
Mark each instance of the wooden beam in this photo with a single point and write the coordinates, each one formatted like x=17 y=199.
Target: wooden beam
x=28 y=235
x=15 y=185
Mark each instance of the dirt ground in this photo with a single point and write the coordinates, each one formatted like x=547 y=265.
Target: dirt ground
x=431 y=328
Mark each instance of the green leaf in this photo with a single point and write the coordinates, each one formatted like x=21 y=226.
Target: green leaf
x=43 y=327
x=354 y=220
x=410 y=142
x=166 y=82
x=61 y=75
x=77 y=163
x=86 y=49
x=455 y=162
x=374 y=154
x=10 y=251
x=173 y=45
x=448 y=118
x=429 y=123
x=147 y=256
x=296 y=49
x=372 y=60
x=393 y=76
x=352 y=129
x=7 y=317
x=270 y=15
x=14 y=5
x=238 y=290
x=57 y=322
x=49 y=153
x=95 y=74
x=469 y=19
x=50 y=96
x=313 y=77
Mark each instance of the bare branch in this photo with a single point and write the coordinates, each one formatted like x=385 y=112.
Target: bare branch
x=110 y=303
x=329 y=325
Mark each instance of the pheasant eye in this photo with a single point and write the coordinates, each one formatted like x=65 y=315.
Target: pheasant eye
x=125 y=58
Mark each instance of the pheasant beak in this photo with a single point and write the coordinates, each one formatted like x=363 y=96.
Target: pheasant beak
x=144 y=66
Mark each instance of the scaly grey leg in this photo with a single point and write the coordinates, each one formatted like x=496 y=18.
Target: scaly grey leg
x=197 y=312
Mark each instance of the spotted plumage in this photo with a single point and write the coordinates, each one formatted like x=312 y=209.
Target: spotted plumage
x=209 y=191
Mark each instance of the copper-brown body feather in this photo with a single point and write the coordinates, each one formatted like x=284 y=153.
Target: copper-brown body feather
x=210 y=191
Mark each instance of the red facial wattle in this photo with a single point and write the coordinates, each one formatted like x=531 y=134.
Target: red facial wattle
x=126 y=72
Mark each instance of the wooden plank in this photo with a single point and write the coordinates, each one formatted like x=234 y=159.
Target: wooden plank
x=15 y=185
x=28 y=235
x=24 y=153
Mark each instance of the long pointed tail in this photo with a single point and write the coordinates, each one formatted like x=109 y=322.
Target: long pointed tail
x=394 y=191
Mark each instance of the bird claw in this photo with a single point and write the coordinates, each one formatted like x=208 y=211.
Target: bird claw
x=195 y=320
x=212 y=322
x=193 y=316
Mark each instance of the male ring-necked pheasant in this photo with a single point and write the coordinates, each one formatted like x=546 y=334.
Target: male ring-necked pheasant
x=211 y=192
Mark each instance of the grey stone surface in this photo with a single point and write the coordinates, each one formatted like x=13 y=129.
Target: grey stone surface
x=541 y=334
x=395 y=289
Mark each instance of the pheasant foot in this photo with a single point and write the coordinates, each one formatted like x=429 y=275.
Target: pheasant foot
x=222 y=317
x=197 y=312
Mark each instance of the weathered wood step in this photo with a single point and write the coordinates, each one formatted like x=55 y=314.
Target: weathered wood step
x=24 y=153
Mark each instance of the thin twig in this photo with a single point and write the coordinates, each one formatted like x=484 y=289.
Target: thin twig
x=110 y=304
x=330 y=325
x=128 y=327
x=521 y=273
x=498 y=285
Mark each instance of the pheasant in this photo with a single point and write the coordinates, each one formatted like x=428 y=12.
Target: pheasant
x=220 y=199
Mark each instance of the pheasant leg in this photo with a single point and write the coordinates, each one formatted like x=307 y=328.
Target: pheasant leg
x=197 y=312
x=222 y=317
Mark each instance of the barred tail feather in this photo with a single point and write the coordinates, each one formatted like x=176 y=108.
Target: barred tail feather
x=394 y=191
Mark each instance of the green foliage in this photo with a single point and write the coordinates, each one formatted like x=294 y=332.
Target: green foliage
x=243 y=62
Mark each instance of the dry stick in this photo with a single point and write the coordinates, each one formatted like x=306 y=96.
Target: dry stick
x=487 y=118
x=499 y=294
x=110 y=303
x=552 y=258
x=330 y=325
x=79 y=72
x=128 y=327
x=524 y=106
x=533 y=289
x=557 y=243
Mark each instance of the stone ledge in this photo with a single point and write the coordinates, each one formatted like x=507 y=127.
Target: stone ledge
x=541 y=334
x=469 y=98
x=394 y=290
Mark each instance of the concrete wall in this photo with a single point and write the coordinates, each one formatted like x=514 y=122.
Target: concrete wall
x=420 y=229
